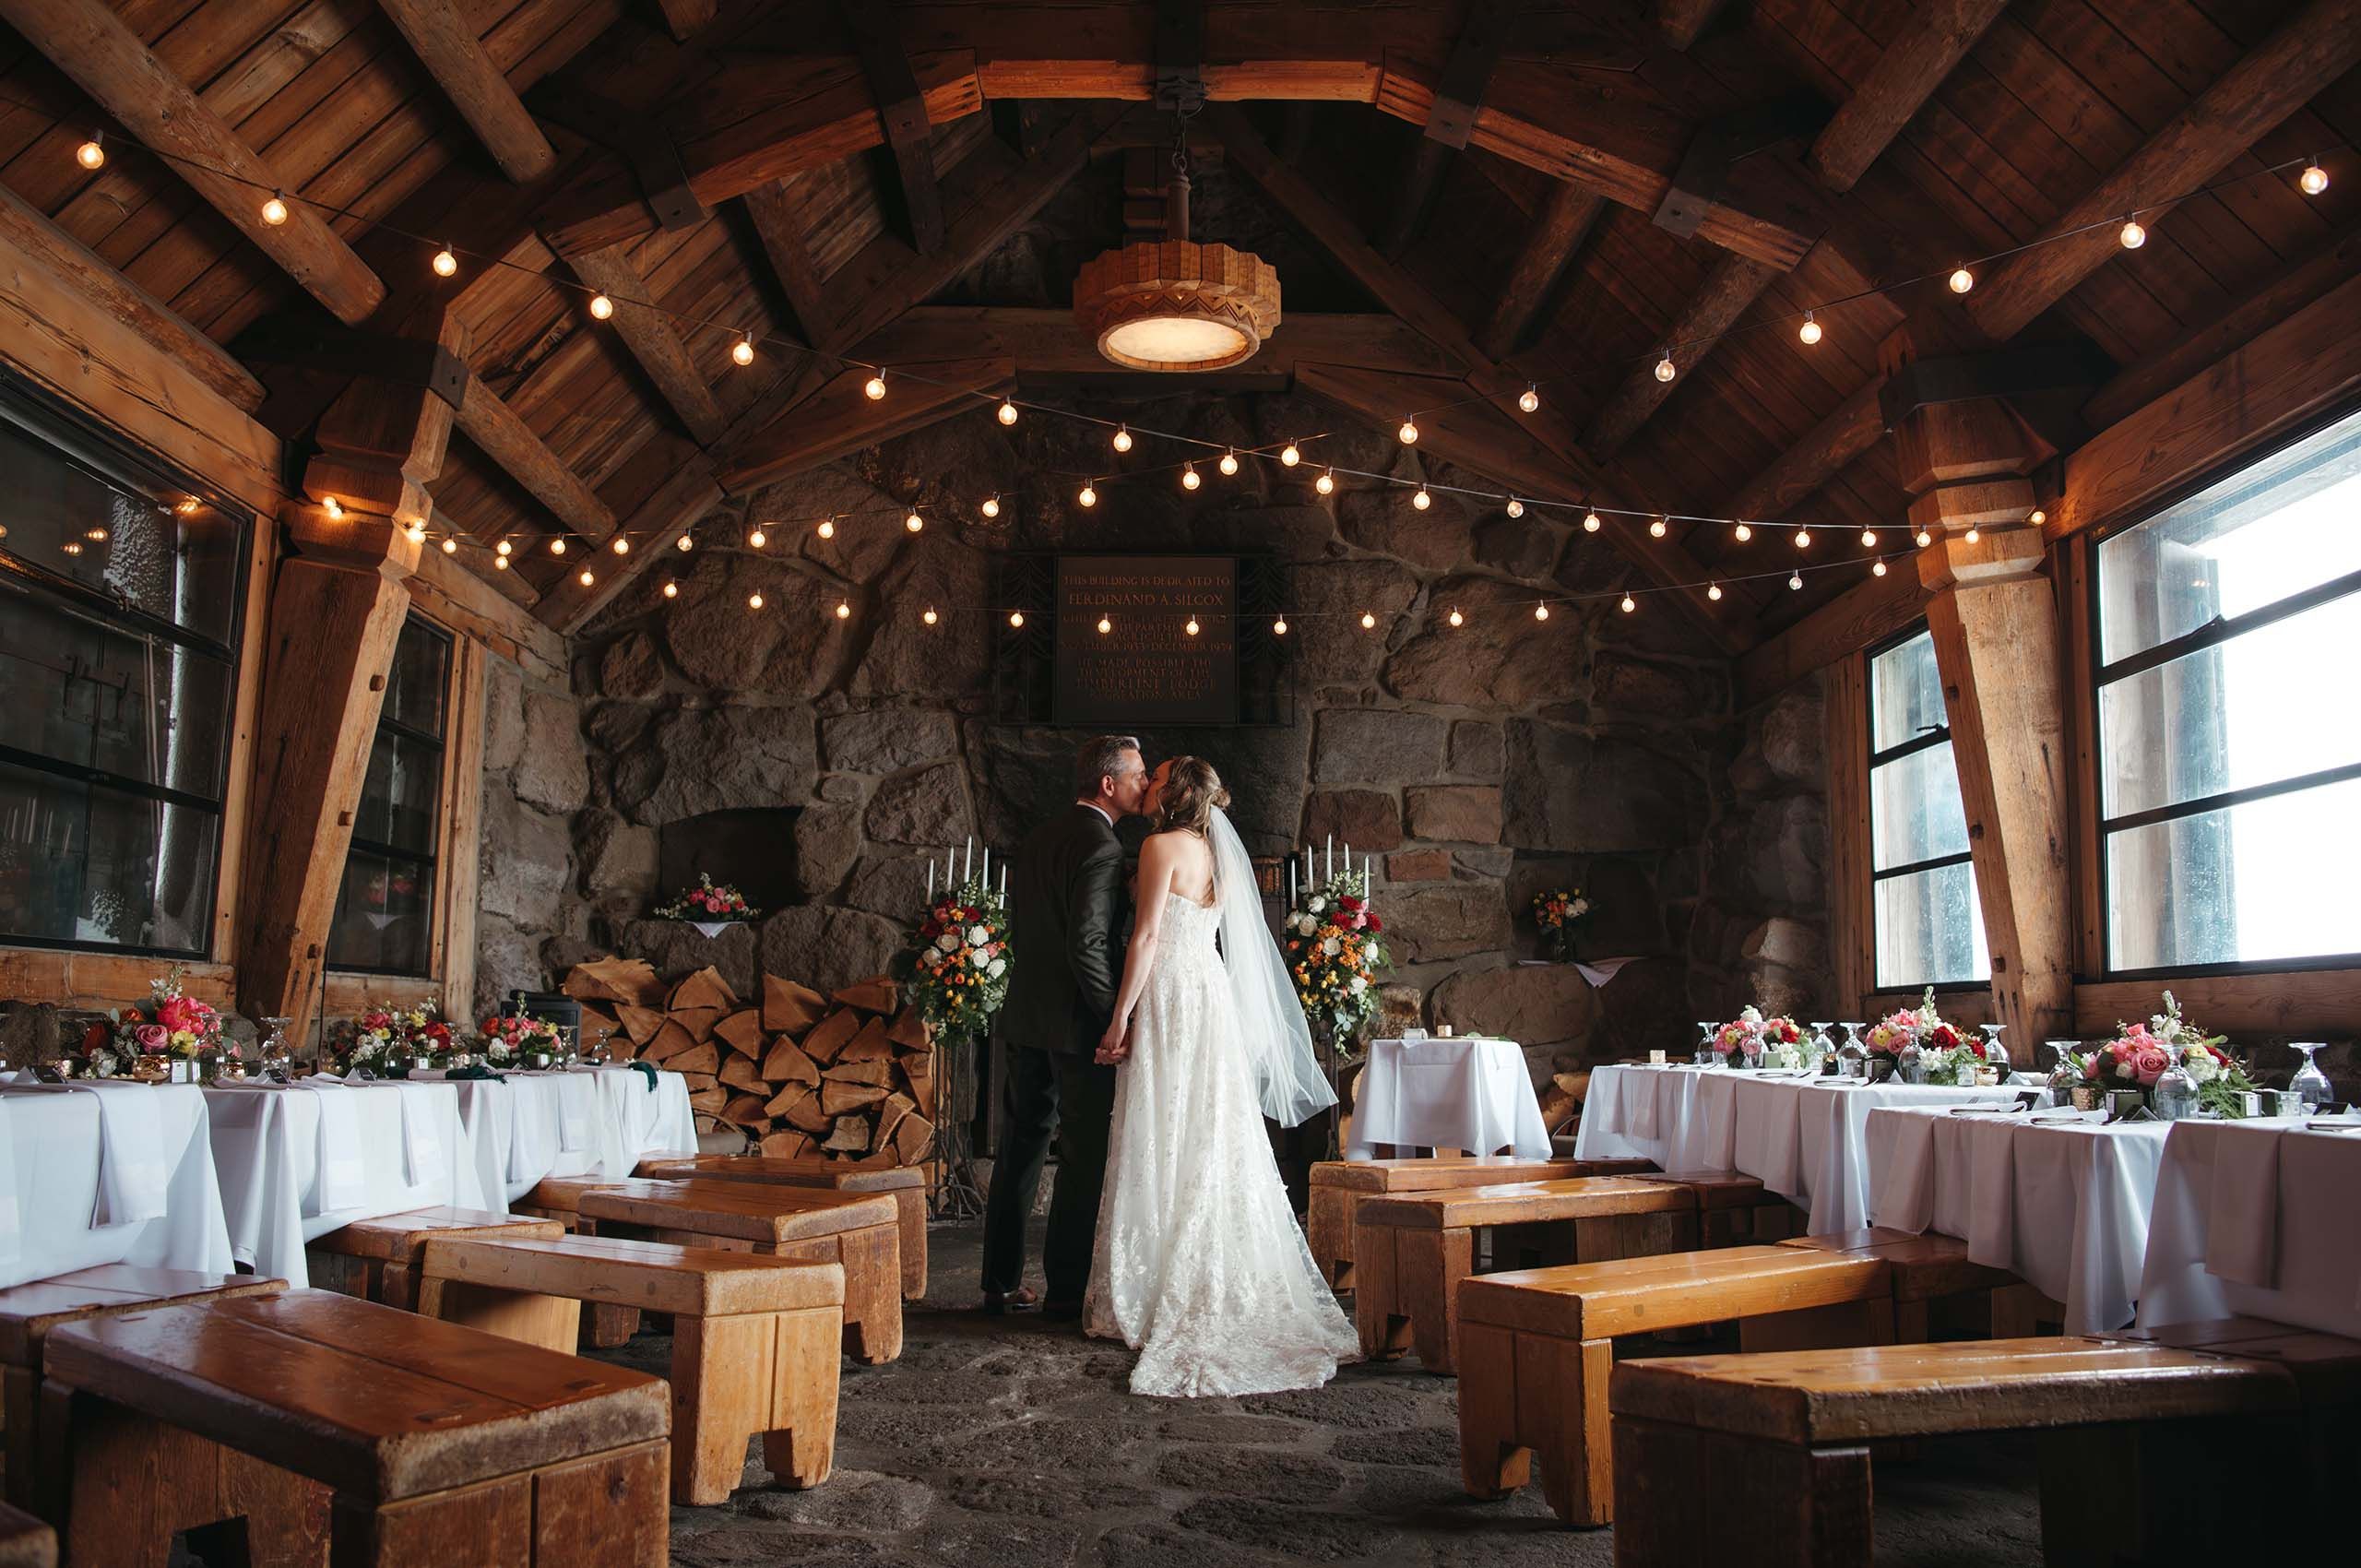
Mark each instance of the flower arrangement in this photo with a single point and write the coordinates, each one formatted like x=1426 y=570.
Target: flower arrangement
x=506 y=1041
x=1750 y=1037
x=708 y=903
x=1554 y=913
x=1335 y=945
x=172 y=1024
x=1947 y=1053
x=388 y=1033
x=2142 y=1053
x=955 y=960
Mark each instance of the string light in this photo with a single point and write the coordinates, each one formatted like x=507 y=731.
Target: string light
x=1962 y=280
x=1713 y=593
x=2037 y=517
x=451 y=544
x=874 y=387
x=445 y=264
x=1658 y=528
x=328 y=505
x=1868 y=538
x=1229 y=464
x=1796 y=580
x=929 y=617
x=1925 y=538
x=2313 y=179
x=1742 y=533
x=415 y=533
x=1530 y=399
x=186 y=507
x=1122 y=442
x=1105 y=625
x=844 y=610
x=92 y=154
x=621 y=546
x=1878 y=569
x=825 y=528
x=991 y=506
x=1455 y=618
x=1591 y=523
x=585 y=578
x=1007 y=412
x=914 y=523
x=557 y=544
x=1541 y=612
x=1409 y=432
x=1627 y=605
x=1191 y=627
x=1422 y=500
x=742 y=350
x=1809 y=331
x=1803 y=539
x=1368 y=621
x=1515 y=507
x=499 y=563
x=1663 y=364
x=1088 y=497
x=1189 y=479
x=671 y=589
x=1326 y=483
x=95 y=535
x=753 y=601
x=2131 y=234
x=1972 y=534
x=502 y=548
x=1279 y=627
x=601 y=307
x=681 y=543
x=274 y=211
x=757 y=538
x=1016 y=619
x=1289 y=457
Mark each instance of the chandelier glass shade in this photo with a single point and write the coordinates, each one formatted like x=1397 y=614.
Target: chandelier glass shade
x=1173 y=305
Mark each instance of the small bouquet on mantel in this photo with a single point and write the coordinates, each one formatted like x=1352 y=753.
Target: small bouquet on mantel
x=1554 y=914
x=389 y=1038
x=173 y=1025
x=710 y=907
x=1752 y=1040
x=1335 y=947
x=2141 y=1054
x=955 y=961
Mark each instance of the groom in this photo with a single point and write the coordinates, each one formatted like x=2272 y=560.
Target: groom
x=1065 y=932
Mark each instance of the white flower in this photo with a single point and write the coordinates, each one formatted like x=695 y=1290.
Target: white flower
x=998 y=968
x=2200 y=1067
x=978 y=936
x=1359 y=984
x=979 y=958
x=1332 y=947
x=1751 y=1016
x=1582 y=906
x=948 y=942
x=1316 y=904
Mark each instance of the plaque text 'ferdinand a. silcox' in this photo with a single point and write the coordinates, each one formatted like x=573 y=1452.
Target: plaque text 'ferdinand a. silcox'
x=1146 y=669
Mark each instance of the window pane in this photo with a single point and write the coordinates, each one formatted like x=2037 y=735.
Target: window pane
x=1905 y=693
x=83 y=692
x=2273 y=529
x=97 y=867
x=2264 y=880
x=382 y=913
x=1915 y=811
x=2238 y=714
x=1930 y=931
x=398 y=799
x=414 y=695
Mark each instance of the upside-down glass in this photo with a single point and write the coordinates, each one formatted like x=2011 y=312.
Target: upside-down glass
x=2309 y=1081
x=1853 y=1054
x=1705 y=1053
x=1994 y=1052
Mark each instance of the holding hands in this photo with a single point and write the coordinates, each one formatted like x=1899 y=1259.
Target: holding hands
x=1114 y=1046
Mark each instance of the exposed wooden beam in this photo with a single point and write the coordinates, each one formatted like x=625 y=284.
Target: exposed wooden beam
x=1728 y=291
x=1859 y=616
x=87 y=41
x=1932 y=40
x=1549 y=245
x=2312 y=48
x=1458 y=92
x=447 y=45
x=781 y=230
x=1856 y=425
x=686 y=18
x=23 y=228
x=679 y=503
x=652 y=340
x=1682 y=21
x=840 y=418
x=901 y=106
x=651 y=169
x=1050 y=343
x=509 y=442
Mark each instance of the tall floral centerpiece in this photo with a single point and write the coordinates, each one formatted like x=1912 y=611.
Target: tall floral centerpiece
x=387 y=1038
x=2141 y=1054
x=1554 y=914
x=1335 y=945
x=1751 y=1040
x=144 y=1040
x=1923 y=1043
x=954 y=968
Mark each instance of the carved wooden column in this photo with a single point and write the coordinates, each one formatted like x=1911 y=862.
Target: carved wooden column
x=336 y=611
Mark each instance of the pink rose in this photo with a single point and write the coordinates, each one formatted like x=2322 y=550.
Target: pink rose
x=152 y=1036
x=2148 y=1063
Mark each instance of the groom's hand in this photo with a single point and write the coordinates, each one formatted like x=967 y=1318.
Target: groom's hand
x=1112 y=1049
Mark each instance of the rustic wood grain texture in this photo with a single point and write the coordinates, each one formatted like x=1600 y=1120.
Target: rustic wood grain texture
x=446 y=44
x=906 y=1184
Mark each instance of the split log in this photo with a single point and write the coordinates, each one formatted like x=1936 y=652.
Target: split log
x=703 y=988
x=805 y=1113
x=788 y=1064
x=876 y=1070
x=614 y=980
x=710 y=1101
x=838 y=1099
x=746 y=1110
x=696 y=1059
x=739 y=1073
x=909 y=1030
x=789 y=1008
x=850 y=1137
x=787 y=1145
x=832 y=1035
x=672 y=1039
x=871 y=1045
x=870 y=995
x=742 y=1032
x=913 y=1135
x=700 y=1081
x=640 y=1023
x=698 y=1021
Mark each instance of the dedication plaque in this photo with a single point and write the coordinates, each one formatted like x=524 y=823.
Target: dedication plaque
x=1146 y=670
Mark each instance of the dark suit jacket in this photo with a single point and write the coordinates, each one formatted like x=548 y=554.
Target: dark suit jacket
x=1065 y=925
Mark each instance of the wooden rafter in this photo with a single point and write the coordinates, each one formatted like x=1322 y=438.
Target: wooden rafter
x=2311 y=49
x=1557 y=232
x=447 y=45
x=1683 y=21
x=840 y=418
x=501 y=434
x=780 y=228
x=652 y=340
x=901 y=107
x=1856 y=425
x=686 y=18
x=1725 y=296
x=1458 y=92
x=1932 y=40
x=689 y=491
x=87 y=41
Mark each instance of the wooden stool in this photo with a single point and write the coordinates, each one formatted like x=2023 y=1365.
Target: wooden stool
x=415 y=1442
x=560 y=1198
x=1535 y=1347
x=28 y=1313
x=906 y=1184
x=25 y=1541
x=1338 y=1186
x=1785 y=1439
x=756 y=1340
x=1929 y=1271
x=1733 y=1210
x=377 y=1259
x=861 y=1232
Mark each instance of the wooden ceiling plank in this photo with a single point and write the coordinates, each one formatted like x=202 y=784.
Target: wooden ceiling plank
x=772 y=208
x=840 y=418
x=1550 y=244
x=1459 y=91
x=649 y=335
x=1914 y=64
x=1856 y=425
x=1683 y=21
x=686 y=18
x=447 y=46
x=901 y=110
x=90 y=43
x=508 y=440
x=1732 y=286
x=2311 y=49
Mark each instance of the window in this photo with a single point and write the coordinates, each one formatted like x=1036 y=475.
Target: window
x=120 y=599
x=384 y=913
x=2229 y=788
x=1930 y=927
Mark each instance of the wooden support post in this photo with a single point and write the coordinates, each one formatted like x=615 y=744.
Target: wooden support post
x=1933 y=40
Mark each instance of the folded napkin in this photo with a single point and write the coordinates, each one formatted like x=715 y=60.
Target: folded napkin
x=132 y=1177
x=343 y=1180
x=2242 y=1204
x=421 y=1138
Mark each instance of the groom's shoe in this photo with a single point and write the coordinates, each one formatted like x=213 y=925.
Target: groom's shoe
x=1062 y=1312
x=998 y=1303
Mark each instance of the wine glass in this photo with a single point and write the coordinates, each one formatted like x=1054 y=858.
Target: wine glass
x=1818 y=1045
x=2062 y=1069
x=1705 y=1028
x=1994 y=1052
x=2309 y=1081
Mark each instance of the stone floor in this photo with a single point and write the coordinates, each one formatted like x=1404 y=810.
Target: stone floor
x=1014 y=1442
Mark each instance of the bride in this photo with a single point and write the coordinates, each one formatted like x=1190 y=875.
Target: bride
x=1200 y=1265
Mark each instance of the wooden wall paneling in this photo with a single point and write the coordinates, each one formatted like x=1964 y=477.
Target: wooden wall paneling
x=1852 y=933
x=2302 y=1004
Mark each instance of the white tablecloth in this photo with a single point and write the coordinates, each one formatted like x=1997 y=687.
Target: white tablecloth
x=1462 y=1094
x=282 y=1182
x=587 y=1121
x=2256 y=1220
x=50 y=1155
x=1801 y=1137
x=2064 y=1205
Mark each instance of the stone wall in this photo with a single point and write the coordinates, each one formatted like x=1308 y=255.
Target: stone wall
x=1480 y=763
x=1762 y=936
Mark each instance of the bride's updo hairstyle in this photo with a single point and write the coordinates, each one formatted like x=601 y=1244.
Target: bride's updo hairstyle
x=1192 y=792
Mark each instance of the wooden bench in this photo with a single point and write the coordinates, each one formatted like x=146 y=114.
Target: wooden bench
x=860 y=1232
x=25 y=1541
x=1339 y=1185
x=418 y=1442
x=1536 y=1347
x=904 y=1184
x=1939 y=1291
x=2151 y=1451
x=28 y=1313
x=1414 y=1249
x=377 y=1259
x=756 y=1340
x=560 y=1198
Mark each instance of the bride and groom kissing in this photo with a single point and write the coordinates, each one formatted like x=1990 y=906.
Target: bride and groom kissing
x=1152 y=1063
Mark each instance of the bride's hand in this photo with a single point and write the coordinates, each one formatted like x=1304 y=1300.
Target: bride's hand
x=1111 y=1049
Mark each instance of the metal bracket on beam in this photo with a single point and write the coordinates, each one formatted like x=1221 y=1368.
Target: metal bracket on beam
x=381 y=356
x=2029 y=371
x=1180 y=56
x=629 y=134
x=1720 y=145
x=1459 y=91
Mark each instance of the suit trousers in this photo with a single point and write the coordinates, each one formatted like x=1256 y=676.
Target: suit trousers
x=1048 y=1094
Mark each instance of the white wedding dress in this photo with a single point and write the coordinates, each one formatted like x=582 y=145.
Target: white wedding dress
x=1199 y=1264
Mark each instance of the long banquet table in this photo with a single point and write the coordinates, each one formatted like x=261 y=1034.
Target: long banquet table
x=2256 y=1220
x=1801 y=1136
x=138 y=1188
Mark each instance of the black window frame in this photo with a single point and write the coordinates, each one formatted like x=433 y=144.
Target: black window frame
x=430 y=860
x=2100 y=674
x=84 y=443
x=1928 y=739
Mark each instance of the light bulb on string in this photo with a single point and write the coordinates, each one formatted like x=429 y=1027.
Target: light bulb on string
x=95 y=535
x=1279 y=627
x=92 y=154
x=1016 y=619
x=601 y=307
x=1326 y=483
x=844 y=610
x=1713 y=593
x=446 y=263
x=1007 y=414
x=1530 y=399
x=557 y=544
x=1515 y=507
x=1794 y=580
x=1368 y=621
x=1658 y=528
x=1105 y=625
x=671 y=589
x=416 y=533
x=502 y=549
x=586 y=576
x=2312 y=181
x=1229 y=464
x=1627 y=605
x=991 y=508
x=1189 y=478
x=1455 y=618
x=328 y=505
x=1877 y=569
x=1809 y=331
x=499 y=563
x=682 y=543
x=825 y=528
x=757 y=538
x=620 y=545
x=1972 y=535
x=1422 y=500
x=929 y=617
x=1122 y=439
x=1289 y=456
x=2037 y=517
x=1591 y=523
x=1409 y=432
x=742 y=350
x=1664 y=371
x=274 y=211
x=1925 y=538
x=1089 y=496
x=1803 y=539
x=1191 y=628
x=753 y=601
x=914 y=523
x=450 y=544
x=1541 y=612
x=1868 y=538
x=1962 y=280
x=1742 y=533
x=2131 y=234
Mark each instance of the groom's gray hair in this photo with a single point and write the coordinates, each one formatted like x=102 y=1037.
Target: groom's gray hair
x=1100 y=756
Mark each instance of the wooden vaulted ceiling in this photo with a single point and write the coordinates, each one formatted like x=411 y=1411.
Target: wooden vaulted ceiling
x=1482 y=194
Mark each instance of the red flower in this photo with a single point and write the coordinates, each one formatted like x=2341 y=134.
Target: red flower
x=94 y=1037
x=1349 y=901
x=439 y=1032
x=1376 y=924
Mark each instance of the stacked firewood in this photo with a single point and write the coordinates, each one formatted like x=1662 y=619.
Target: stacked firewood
x=850 y=1076
x=1562 y=1101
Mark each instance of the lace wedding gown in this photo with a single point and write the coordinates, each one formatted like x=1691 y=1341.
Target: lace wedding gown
x=1199 y=1264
